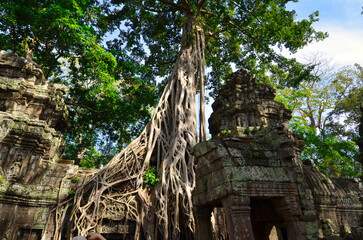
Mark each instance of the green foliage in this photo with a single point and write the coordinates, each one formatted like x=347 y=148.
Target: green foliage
x=204 y=184
x=92 y=157
x=51 y=29
x=74 y=179
x=108 y=113
x=71 y=192
x=256 y=154
x=240 y=33
x=1 y=179
x=333 y=156
x=351 y=99
x=108 y=102
x=110 y=96
x=150 y=176
x=326 y=115
x=325 y=180
x=224 y=133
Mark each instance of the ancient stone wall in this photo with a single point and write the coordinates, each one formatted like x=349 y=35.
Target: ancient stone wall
x=251 y=172
x=34 y=178
x=338 y=201
x=243 y=103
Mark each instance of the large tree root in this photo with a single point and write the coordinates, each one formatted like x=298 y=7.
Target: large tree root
x=166 y=142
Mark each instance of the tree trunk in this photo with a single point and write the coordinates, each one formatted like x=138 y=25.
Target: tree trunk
x=29 y=48
x=201 y=68
x=202 y=131
x=360 y=139
x=81 y=150
x=166 y=142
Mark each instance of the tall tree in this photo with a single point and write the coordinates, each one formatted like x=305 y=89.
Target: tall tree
x=243 y=33
x=351 y=97
x=208 y=33
x=320 y=106
x=360 y=139
x=108 y=102
x=49 y=30
x=350 y=106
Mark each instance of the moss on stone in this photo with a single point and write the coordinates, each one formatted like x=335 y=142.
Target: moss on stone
x=311 y=230
x=203 y=148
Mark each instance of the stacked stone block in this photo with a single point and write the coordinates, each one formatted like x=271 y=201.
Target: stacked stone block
x=32 y=116
x=252 y=169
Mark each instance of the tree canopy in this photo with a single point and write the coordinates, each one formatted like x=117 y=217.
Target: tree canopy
x=326 y=115
x=243 y=34
x=246 y=34
x=108 y=102
x=112 y=86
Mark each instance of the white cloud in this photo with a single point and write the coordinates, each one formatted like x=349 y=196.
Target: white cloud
x=343 y=47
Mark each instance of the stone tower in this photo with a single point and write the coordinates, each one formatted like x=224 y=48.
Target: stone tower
x=32 y=115
x=251 y=176
x=243 y=103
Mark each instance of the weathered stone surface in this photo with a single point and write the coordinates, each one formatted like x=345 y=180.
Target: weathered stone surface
x=13 y=66
x=338 y=201
x=34 y=178
x=26 y=95
x=244 y=103
x=254 y=156
x=32 y=113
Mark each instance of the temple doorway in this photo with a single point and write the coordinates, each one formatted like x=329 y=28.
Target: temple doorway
x=267 y=221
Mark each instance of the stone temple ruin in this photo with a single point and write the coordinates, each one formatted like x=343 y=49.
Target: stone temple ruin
x=32 y=114
x=251 y=182
x=251 y=176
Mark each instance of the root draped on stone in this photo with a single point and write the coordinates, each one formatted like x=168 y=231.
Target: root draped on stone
x=118 y=189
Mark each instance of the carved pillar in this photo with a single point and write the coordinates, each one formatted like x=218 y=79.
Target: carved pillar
x=238 y=216
x=204 y=226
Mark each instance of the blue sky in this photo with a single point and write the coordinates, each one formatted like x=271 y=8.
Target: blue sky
x=338 y=11
x=343 y=20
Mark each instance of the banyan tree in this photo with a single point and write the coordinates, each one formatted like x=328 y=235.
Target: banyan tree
x=209 y=34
